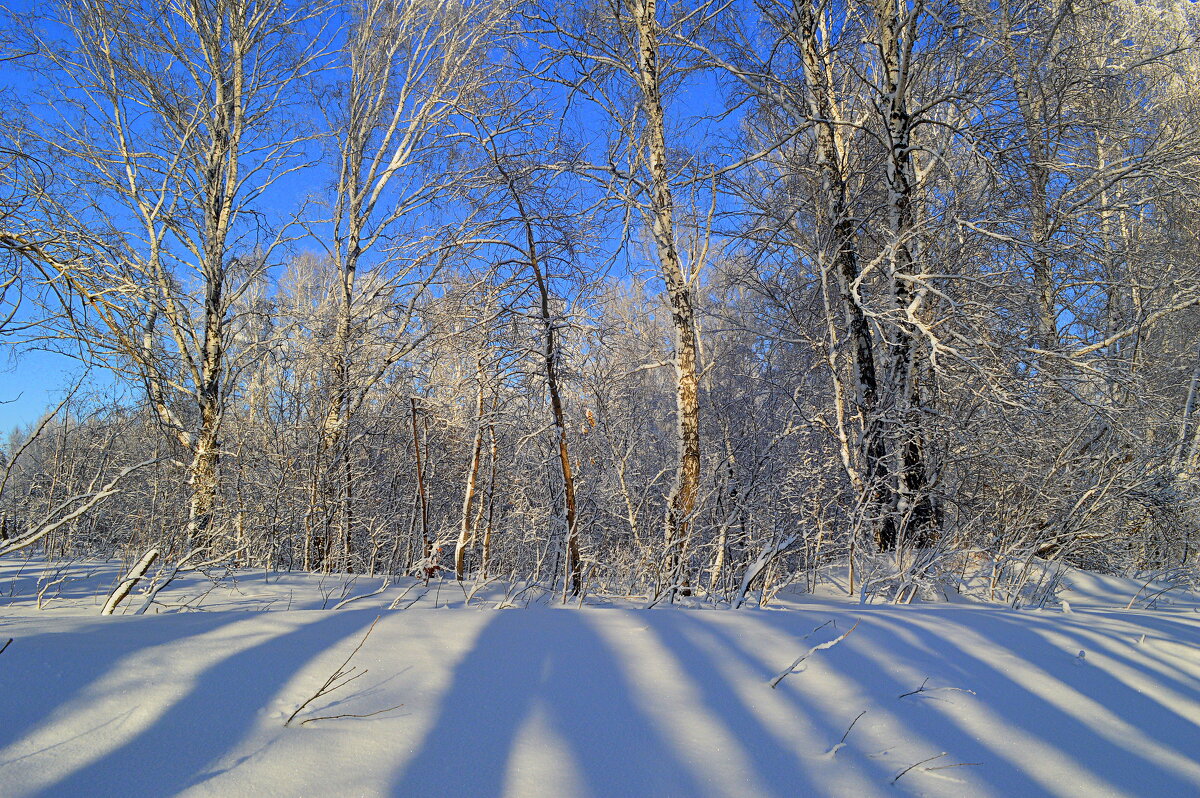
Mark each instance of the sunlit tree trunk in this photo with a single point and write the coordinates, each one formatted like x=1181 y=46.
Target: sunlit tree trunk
x=681 y=502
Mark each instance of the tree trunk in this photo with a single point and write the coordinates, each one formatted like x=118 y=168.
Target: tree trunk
x=426 y=541
x=486 y=556
x=912 y=509
x=681 y=502
x=874 y=472
x=550 y=361
x=1037 y=175
x=464 y=532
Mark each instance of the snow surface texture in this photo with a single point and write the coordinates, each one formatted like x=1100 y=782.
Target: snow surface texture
x=950 y=700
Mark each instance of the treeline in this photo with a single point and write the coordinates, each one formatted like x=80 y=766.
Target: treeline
x=698 y=297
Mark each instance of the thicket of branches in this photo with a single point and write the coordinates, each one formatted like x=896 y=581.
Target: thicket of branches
x=669 y=298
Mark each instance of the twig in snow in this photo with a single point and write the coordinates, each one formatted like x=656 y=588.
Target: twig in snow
x=938 y=767
x=6 y=644
x=819 y=628
x=1147 y=583
x=1153 y=598
x=840 y=743
x=917 y=764
x=387 y=582
x=351 y=714
x=396 y=602
x=955 y=765
x=476 y=588
x=347 y=586
x=41 y=595
x=829 y=644
x=339 y=678
x=924 y=689
x=511 y=601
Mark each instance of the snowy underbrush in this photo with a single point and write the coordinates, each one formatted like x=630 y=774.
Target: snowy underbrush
x=239 y=683
x=941 y=576
x=909 y=577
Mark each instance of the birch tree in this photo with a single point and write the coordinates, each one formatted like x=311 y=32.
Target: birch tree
x=411 y=70
x=165 y=127
x=615 y=54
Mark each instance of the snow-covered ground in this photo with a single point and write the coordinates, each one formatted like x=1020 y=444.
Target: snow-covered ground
x=951 y=699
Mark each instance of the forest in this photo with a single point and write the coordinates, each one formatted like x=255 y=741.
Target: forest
x=621 y=296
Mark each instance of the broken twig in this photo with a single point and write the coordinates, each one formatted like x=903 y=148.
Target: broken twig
x=924 y=689
x=339 y=678
x=829 y=644
x=937 y=767
x=351 y=715
x=842 y=742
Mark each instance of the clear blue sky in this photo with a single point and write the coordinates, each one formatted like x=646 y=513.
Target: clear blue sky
x=29 y=384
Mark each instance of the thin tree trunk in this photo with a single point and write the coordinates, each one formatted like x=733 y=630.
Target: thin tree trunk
x=486 y=557
x=681 y=502
x=550 y=361
x=913 y=508
x=426 y=542
x=464 y=532
x=1037 y=177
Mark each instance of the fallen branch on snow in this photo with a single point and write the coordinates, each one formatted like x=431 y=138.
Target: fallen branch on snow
x=337 y=680
x=387 y=582
x=828 y=644
x=769 y=552
x=842 y=742
x=165 y=578
x=938 y=767
x=924 y=689
x=350 y=714
x=127 y=584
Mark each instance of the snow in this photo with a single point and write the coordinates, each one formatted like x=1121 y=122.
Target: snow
x=955 y=699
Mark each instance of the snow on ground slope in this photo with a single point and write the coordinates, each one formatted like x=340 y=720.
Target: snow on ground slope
x=950 y=700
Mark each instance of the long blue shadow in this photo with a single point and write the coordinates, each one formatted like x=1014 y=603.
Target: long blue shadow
x=777 y=764
x=1182 y=630
x=173 y=753
x=34 y=662
x=553 y=660
x=829 y=728
x=1019 y=708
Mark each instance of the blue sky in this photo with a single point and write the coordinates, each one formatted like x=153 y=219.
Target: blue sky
x=30 y=383
x=36 y=380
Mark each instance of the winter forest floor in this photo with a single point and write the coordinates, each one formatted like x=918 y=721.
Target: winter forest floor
x=952 y=699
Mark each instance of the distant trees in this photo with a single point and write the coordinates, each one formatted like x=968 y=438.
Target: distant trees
x=410 y=70
x=881 y=284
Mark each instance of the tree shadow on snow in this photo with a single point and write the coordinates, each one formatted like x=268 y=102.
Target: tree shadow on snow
x=906 y=640
x=550 y=660
x=33 y=666
x=223 y=705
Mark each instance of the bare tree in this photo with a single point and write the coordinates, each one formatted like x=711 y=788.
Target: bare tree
x=165 y=129
x=544 y=236
x=410 y=69
x=612 y=53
